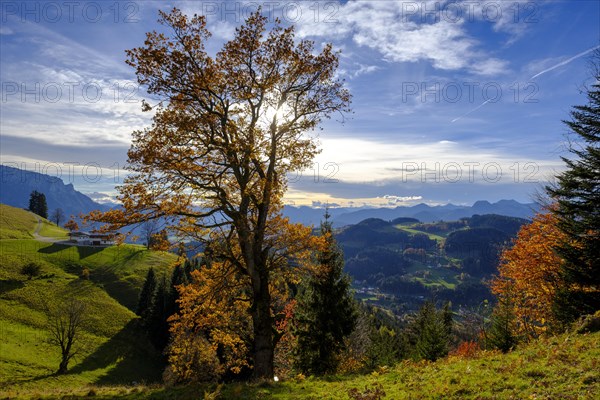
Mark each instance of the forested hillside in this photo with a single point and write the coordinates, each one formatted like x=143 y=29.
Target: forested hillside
x=400 y=263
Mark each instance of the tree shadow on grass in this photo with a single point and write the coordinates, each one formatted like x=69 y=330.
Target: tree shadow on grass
x=16 y=381
x=86 y=251
x=7 y=285
x=119 y=289
x=53 y=248
x=135 y=358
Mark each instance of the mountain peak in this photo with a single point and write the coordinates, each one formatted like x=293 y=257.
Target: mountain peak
x=17 y=185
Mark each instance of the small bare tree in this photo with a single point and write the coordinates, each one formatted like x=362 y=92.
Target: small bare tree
x=65 y=325
x=149 y=229
x=57 y=216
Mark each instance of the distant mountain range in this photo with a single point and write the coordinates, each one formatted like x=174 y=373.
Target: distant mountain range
x=422 y=212
x=17 y=185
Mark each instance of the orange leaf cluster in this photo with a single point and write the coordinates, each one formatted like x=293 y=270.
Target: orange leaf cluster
x=529 y=274
x=211 y=334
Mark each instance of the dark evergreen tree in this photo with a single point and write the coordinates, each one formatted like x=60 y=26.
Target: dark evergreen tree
x=178 y=277
x=433 y=331
x=37 y=204
x=146 y=295
x=377 y=339
x=448 y=319
x=326 y=312
x=386 y=346
x=501 y=332
x=577 y=193
x=163 y=304
x=157 y=325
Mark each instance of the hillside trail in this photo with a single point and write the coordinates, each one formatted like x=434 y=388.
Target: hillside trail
x=36 y=232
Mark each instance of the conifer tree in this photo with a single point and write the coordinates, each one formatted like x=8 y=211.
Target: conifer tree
x=501 y=334
x=146 y=295
x=326 y=311
x=163 y=304
x=157 y=325
x=37 y=204
x=448 y=318
x=385 y=347
x=577 y=193
x=433 y=332
x=178 y=277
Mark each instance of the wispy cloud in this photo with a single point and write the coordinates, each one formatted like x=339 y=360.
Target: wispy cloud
x=391 y=28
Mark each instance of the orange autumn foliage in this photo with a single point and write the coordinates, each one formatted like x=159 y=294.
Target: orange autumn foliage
x=212 y=334
x=529 y=275
x=71 y=225
x=466 y=349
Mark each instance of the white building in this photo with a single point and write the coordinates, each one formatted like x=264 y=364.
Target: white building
x=92 y=239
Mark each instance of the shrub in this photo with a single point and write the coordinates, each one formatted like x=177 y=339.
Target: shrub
x=31 y=270
x=588 y=323
x=376 y=393
x=468 y=349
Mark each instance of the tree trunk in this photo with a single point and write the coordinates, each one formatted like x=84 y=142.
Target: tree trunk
x=262 y=321
x=62 y=369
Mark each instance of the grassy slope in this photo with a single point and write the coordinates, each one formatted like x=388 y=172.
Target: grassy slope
x=50 y=229
x=115 y=350
x=16 y=223
x=411 y=230
x=562 y=367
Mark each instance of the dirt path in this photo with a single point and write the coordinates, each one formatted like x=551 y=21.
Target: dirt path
x=38 y=237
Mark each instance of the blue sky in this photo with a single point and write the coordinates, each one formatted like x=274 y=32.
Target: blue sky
x=453 y=101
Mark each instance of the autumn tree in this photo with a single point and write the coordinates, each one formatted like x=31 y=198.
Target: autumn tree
x=577 y=193
x=529 y=275
x=71 y=225
x=226 y=131
x=212 y=334
x=160 y=241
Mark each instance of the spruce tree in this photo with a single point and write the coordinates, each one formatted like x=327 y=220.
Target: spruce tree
x=37 y=204
x=146 y=295
x=577 y=194
x=43 y=206
x=178 y=277
x=501 y=333
x=325 y=313
x=433 y=332
x=157 y=326
x=385 y=347
x=448 y=318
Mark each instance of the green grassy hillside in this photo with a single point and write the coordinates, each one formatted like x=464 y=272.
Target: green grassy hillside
x=562 y=367
x=115 y=351
x=16 y=223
